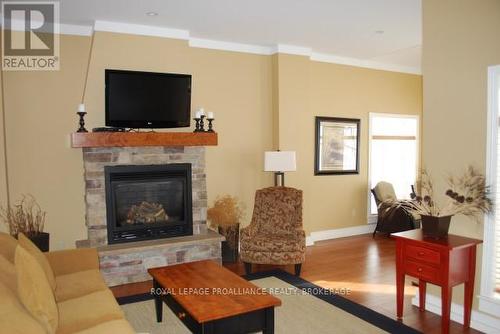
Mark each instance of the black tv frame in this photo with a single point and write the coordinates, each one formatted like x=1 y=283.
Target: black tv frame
x=150 y=124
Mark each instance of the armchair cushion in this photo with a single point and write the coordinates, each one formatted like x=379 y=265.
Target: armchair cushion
x=276 y=218
x=384 y=191
x=275 y=243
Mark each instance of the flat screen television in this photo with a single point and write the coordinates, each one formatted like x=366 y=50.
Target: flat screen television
x=147 y=100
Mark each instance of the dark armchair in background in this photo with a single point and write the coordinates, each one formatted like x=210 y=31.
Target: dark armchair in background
x=391 y=220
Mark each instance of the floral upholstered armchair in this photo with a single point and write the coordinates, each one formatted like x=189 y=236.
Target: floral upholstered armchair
x=275 y=234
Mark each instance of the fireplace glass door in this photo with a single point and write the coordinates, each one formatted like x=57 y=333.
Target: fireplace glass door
x=148 y=202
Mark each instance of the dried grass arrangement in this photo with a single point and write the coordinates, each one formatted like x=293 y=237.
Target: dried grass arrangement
x=24 y=217
x=226 y=211
x=466 y=195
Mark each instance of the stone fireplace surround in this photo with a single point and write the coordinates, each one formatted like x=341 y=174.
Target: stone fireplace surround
x=128 y=263
x=94 y=160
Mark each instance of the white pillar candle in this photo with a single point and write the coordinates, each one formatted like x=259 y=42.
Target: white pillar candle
x=202 y=111
x=198 y=114
x=81 y=107
x=210 y=114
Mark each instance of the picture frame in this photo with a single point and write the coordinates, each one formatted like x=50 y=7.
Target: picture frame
x=337 y=145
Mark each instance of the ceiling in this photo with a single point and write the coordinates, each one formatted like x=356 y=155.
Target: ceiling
x=383 y=31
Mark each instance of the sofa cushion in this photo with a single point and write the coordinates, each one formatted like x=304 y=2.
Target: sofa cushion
x=78 y=284
x=8 y=274
x=8 y=246
x=34 y=290
x=87 y=311
x=114 y=327
x=40 y=257
x=14 y=318
x=68 y=261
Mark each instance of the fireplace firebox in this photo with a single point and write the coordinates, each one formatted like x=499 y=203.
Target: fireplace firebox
x=148 y=202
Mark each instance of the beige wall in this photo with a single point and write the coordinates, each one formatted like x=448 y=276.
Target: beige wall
x=261 y=103
x=236 y=86
x=308 y=89
x=40 y=113
x=41 y=106
x=3 y=175
x=460 y=41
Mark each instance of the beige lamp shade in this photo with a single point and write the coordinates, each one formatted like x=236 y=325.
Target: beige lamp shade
x=279 y=161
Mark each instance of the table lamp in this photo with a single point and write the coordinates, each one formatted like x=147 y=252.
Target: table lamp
x=279 y=162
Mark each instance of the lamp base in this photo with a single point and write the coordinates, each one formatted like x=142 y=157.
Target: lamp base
x=279 y=179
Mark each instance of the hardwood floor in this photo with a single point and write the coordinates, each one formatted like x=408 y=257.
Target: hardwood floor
x=364 y=265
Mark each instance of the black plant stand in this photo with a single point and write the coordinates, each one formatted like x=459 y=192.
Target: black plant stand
x=41 y=240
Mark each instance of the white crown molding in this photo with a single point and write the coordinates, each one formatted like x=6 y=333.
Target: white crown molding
x=78 y=30
x=229 y=46
x=333 y=59
x=292 y=50
x=339 y=233
x=480 y=321
x=139 y=29
x=145 y=30
x=63 y=28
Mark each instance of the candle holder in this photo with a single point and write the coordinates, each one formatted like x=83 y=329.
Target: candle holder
x=210 y=127
x=202 y=124
x=82 y=114
x=197 y=125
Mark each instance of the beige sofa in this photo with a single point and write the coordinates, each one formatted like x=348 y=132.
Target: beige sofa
x=83 y=302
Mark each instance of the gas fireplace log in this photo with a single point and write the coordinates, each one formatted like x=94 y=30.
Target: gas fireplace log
x=146 y=213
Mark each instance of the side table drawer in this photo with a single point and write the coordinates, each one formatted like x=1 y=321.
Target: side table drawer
x=423 y=254
x=422 y=271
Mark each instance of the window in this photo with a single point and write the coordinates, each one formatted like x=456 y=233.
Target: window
x=394 y=153
x=489 y=300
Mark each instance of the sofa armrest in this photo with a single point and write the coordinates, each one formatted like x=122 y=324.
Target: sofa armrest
x=73 y=260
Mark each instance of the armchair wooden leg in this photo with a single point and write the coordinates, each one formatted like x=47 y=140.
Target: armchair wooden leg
x=298 y=267
x=248 y=268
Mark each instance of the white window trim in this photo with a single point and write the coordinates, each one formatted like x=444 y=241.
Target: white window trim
x=487 y=302
x=372 y=218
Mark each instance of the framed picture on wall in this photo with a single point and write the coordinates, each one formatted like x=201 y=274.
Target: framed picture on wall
x=337 y=146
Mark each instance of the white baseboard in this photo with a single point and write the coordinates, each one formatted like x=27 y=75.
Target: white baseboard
x=339 y=233
x=479 y=320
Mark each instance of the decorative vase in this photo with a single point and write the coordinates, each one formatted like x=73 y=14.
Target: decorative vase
x=435 y=227
x=41 y=240
x=230 y=245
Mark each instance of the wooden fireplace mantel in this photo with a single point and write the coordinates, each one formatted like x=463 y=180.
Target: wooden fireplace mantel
x=130 y=139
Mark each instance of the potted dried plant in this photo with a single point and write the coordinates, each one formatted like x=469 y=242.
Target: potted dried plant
x=225 y=215
x=466 y=195
x=26 y=217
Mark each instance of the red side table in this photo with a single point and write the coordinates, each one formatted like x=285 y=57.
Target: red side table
x=445 y=262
